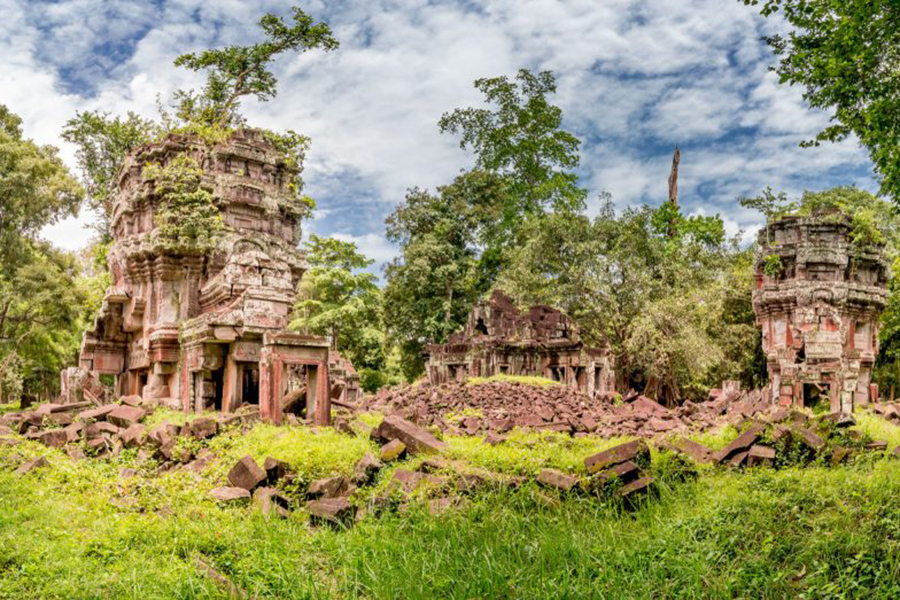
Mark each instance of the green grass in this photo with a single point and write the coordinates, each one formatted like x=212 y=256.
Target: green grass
x=76 y=531
x=523 y=379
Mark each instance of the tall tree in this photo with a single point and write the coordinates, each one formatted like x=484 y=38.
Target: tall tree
x=431 y=286
x=521 y=139
x=102 y=142
x=338 y=299
x=36 y=190
x=237 y=71
x=846 y=55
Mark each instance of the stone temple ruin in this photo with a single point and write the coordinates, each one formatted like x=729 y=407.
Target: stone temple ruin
x=818 y=305
x=500 y=339
x=208 y=331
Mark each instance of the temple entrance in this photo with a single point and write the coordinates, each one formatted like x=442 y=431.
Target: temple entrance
x=250 y=384
x=816 y=395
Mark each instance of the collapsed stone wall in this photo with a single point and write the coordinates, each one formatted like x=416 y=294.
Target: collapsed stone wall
x=500 y=339
x=818 y=299
x=207 y=330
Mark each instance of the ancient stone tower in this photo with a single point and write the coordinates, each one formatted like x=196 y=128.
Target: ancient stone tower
x=818 y=298
x=206 y=330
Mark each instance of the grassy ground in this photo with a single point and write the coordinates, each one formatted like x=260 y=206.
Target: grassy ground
x=75 y=530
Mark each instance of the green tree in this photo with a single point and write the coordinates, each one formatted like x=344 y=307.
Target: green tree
x=521 y=140
x=658 y=299
x=36 y=190
x=103 y=141
x=337 y=299
x=431 y=286
x=846 y=54
x=237 y=71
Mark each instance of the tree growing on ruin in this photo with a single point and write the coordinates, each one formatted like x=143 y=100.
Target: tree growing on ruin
x=102 y=142
x=846 y=56
x=237 y=71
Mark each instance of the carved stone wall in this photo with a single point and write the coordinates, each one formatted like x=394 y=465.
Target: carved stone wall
x=818 y=308
x=207 y=331
x=501 y=339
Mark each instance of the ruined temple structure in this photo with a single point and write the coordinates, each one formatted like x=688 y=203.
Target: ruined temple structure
x=501 y=339
x=204 y=331
x=818 y=308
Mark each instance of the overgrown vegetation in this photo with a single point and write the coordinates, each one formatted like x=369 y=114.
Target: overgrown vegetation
x=85 y=532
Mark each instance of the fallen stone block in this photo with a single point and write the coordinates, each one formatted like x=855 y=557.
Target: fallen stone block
x=738 y=459
x=366 y=469
x=840 y=454
x=126 y=473
x=329 y=487
x=625 y=472
x=134 y=436
x=760 y=456
x=163 y=434
x=877 y=446
x=95 y=430
x=637 y=487
x=552 y=478
x=494 y=439
x=810 y=439
x=31 y=465
x=696 y=451
x=391 y=451
x=4 y=430
x=53 y=438
x=331 y=510
x=740 y=444
x=270 y=501
x=131 y=400
x=246 y=474
x=204 y=428
x=840 y=419
x=439 y=506
x=276 y=470
x=632 y=451
x=229 y=494
x=96 y=414
x=646 y=406
x=125 y=416
x=75 y=453
x=416 y=439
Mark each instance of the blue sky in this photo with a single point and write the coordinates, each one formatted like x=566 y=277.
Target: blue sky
x=636 y=77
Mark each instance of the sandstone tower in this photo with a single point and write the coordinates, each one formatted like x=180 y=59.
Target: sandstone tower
x=818 y=298
x=206 y=330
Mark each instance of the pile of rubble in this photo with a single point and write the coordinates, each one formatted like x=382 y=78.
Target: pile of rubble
x=499 y=406
x=85 y=430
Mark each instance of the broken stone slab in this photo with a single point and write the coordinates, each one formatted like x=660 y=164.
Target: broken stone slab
x=270 y=501
x=695 y=450
x=416 y=439
x=73 y=431
x=840 y=419
x=740 y=444
x=494 y=439
x=760 y=455
x=276 y=470
x=204 y=428
x=625 y=472
x=246 y=474
x=4 y=430
x=366 y=469
x=61 y=419
x=635 y=488
x=164 y=433
x=877 y=446
x=229 y=494
x=331 y=510
x=738 y=459
x=553 y=478
x=31 y=465
x=810 y=439
x=131 y=400
x=329 y=487
x=391 y=451
x=839 y=454
x=646 y=406
x=126 y=473
x=96 y=414
x=134 y=436
x=75 y=453
x=779 y=415
x=439 y=506
x=617 y=454
x=408 y=481
x=125 y=416
x=95 y=430
x=53 y=438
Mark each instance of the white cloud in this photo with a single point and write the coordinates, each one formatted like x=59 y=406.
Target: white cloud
x=635 y=78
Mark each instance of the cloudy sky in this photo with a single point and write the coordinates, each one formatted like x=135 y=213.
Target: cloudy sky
x=636 y=77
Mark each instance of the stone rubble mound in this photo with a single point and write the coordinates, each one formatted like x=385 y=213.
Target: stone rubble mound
x=499 y=406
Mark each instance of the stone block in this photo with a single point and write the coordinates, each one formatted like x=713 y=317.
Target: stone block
x=125 y=416
x=246 y=474
x=416 y=439
x=553 y=478
x=229 y=494
x=31 y=465
x=392 y=451
x=633 y=450
x=331 y=510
